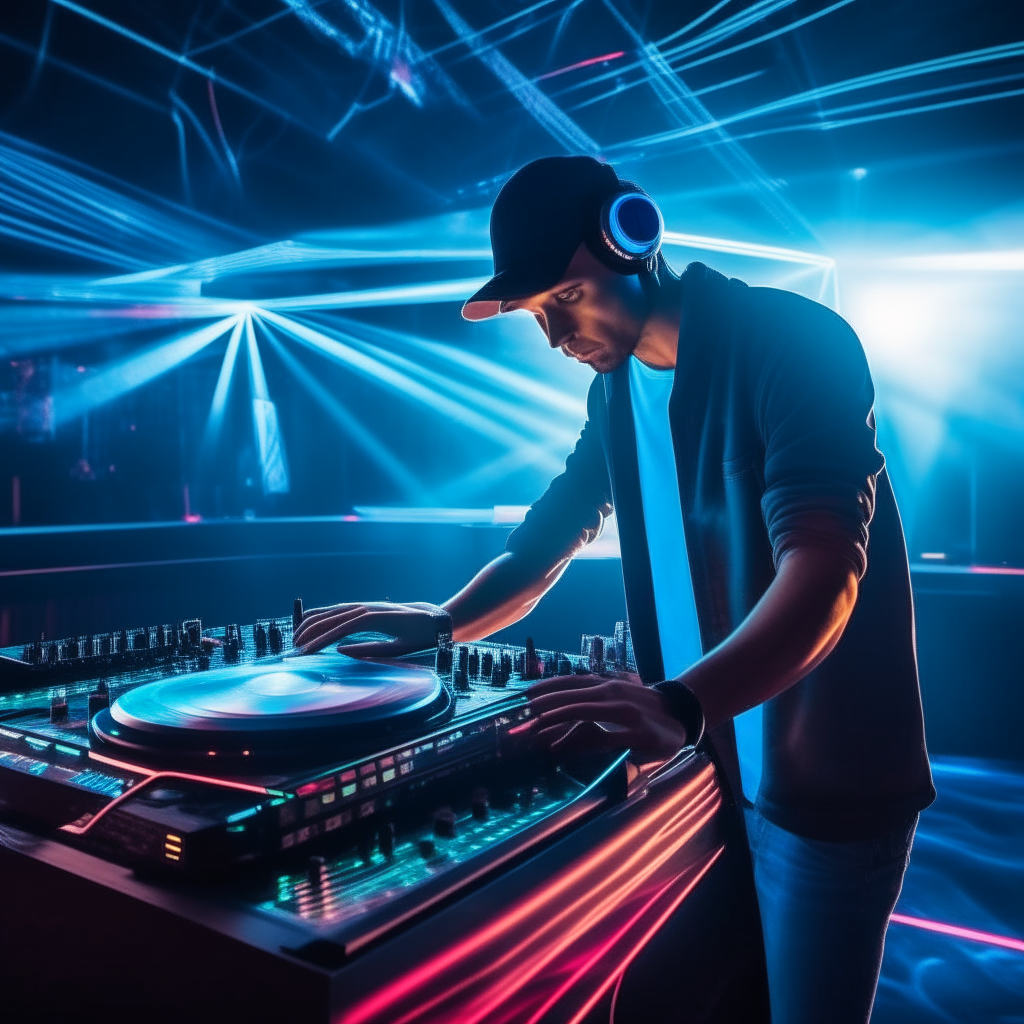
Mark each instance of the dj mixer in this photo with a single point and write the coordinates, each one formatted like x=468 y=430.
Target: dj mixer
x=331 y=808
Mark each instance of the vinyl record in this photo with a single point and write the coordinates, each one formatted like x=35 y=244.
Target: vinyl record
x=308 y=708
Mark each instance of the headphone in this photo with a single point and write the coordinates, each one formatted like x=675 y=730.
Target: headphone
x=629 y=231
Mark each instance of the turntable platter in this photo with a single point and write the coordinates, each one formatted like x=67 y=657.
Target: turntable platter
x=304 y=707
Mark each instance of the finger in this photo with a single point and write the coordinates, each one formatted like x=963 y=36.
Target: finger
x=311 y=628
x=556 y=698
x=317 y=614
x=557 y=683
x=620 y=713
x=360 y=624
x=359 y=613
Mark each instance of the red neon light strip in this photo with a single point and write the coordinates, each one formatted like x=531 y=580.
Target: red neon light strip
x=681 y=804
x=80 y=830
x=961 y=933
x=582 y=64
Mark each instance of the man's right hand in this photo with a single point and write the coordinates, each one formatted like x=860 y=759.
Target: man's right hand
x=413 y=627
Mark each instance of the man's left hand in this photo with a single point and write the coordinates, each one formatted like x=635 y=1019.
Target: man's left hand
x=638 y=716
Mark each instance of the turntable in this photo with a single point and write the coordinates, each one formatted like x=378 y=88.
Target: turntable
x=287 y=710
x=369 y=841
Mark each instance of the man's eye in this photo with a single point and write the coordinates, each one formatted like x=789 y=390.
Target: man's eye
x=569 y=295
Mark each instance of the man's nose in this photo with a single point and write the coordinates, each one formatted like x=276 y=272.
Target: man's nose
x=558 y=329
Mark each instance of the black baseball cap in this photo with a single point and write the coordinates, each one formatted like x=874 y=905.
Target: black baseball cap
x=540 y=217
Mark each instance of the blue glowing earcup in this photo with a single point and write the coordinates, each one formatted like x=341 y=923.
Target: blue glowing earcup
x=631 y=227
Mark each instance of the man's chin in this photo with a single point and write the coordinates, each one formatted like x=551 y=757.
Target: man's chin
x=605 y=362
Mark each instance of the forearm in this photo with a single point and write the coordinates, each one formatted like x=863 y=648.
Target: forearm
x=792 y=629
x=501 y=593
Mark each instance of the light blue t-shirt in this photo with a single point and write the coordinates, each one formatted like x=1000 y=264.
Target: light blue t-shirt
x=649 y=391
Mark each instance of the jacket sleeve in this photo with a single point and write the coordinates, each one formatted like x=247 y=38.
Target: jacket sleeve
x=814 y=402
x=571 y=512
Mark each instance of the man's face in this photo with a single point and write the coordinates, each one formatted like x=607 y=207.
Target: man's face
x=594 y=315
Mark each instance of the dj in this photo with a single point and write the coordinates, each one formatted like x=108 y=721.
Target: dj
x=731 y=430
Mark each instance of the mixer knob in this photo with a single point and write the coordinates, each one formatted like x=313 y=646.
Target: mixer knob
x=316 y=871
x=99 y=698
x=296 y=613
x=444 y=822
x=461 y=678
x=274 y=637
x=427 y=848
x=232 y=643
x=530 y=667
x=443 y=661
x=386 y=839
x=59 y=707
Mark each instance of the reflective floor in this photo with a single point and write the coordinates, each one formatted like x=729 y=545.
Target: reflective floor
x=966 y=876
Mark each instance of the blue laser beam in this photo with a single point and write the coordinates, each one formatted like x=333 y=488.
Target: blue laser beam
x=385 y=376
x=215 y=418
x=177 y=58
x=721 y=32
x=395 y=295
x=128 y=374
x=953 y=62
x=684 y=108
x=540 y=426
x=44 y=201
x=554 y=121
x=691 y=25
x=619 y=89
x=379 y=454
x=792 y=27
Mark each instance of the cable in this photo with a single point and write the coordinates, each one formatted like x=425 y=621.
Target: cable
x=81 y=830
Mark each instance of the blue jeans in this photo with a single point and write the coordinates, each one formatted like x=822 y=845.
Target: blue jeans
x=824 y=910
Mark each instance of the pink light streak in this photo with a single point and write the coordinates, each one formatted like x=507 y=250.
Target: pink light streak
x=553 y=954
x=582 y=64
x=960 y=933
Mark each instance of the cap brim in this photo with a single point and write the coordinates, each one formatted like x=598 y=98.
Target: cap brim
x=512 y=283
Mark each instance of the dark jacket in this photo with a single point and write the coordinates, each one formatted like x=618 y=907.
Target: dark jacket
x=773 y=430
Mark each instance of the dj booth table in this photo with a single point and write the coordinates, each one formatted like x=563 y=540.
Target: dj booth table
x=645 y=912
